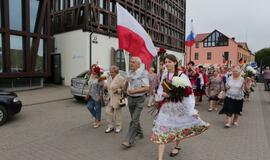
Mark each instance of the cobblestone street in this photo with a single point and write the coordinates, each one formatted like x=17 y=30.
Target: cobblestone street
x=61 y=130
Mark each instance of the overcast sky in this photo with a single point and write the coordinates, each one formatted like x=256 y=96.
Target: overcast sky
x=246 y=20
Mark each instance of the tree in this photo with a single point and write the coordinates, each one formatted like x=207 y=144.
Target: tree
x=262 y=57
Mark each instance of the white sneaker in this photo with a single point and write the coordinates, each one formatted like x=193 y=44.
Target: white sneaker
x=117 y=130
x=108 y=130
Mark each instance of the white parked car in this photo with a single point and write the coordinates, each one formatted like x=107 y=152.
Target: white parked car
x=79 y=85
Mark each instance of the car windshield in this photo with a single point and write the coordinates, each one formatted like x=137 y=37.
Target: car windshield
x=83 y=74
x=106 y=74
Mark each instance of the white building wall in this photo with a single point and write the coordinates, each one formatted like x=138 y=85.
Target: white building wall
x=74 y=47
x=101 y=49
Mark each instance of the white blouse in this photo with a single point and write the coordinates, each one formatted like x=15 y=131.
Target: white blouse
x=235 y=90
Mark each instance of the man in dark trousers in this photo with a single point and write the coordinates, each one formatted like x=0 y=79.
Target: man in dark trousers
x=137 y=87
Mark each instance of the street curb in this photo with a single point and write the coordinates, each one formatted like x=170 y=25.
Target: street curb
x=50 y=101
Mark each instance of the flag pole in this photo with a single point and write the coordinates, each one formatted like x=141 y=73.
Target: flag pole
x=190 y=45
x=190 y=53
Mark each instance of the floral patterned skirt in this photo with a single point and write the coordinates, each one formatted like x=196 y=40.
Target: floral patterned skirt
x=174 y=122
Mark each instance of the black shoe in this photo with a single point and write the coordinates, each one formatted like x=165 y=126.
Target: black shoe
x=140 y=135
x=175 y=154
x=126 y=144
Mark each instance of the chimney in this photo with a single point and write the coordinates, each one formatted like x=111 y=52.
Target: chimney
x=233 y=38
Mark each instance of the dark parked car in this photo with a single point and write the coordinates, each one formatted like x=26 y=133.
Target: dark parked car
x=10 y=104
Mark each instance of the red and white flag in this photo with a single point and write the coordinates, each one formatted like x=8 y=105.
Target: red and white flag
x=133 y=38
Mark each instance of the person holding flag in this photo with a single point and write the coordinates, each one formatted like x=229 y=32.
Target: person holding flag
x=134 y=39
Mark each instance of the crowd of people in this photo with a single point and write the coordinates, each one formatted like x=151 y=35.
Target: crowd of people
x=174 y=92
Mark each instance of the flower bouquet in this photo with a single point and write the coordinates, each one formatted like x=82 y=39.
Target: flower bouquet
x=99 y=71
x=249 y=72
x=177 y=89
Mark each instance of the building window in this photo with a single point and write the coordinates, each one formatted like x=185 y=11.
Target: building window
x=1 y=13
x=216 y=39
x=102 y=4
x=113 y=20
x=69 y=3
x=196 y=56
x=226 y=56
x=142 y=20
x=16 y=53
x=197 y=45
x=33 y=14
x=103 y=19
x=81 y=1
x=209 y=55
x=15 y=14
x=61 y=5
x=136 y=15
x=120 y=60
x=40 y=57
x=1 y=55
x=112 y=6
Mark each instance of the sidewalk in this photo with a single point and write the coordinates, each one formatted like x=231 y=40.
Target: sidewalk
x=49 y=93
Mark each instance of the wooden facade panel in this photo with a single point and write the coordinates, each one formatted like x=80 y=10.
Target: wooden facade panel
x=29 y=39
x=164 y=20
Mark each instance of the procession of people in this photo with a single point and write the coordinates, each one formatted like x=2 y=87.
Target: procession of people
x=173 y=93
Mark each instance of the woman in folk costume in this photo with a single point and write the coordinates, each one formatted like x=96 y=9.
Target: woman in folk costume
x=115 y=86
x=194 y=78
x=177 y=119
x=199 y=83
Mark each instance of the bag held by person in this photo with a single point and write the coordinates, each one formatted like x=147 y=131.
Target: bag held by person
x=122 y=100
x=221 y=95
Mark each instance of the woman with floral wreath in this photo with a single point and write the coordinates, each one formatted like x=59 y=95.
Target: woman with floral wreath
x=176 y=119
x=94 y=94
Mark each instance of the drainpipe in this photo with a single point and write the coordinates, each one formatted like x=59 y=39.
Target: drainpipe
x=91 y=33
x=90 y=49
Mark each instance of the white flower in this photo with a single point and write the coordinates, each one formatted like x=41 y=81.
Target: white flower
x=179 y=82
x=249 y=68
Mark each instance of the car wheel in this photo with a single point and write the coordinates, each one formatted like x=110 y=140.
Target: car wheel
x=3 y=115
x=78 y=98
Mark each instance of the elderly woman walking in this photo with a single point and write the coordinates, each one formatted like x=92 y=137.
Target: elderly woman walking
x=94 y=95
x=215 y=86
x=115 y=86
x=233 y=102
